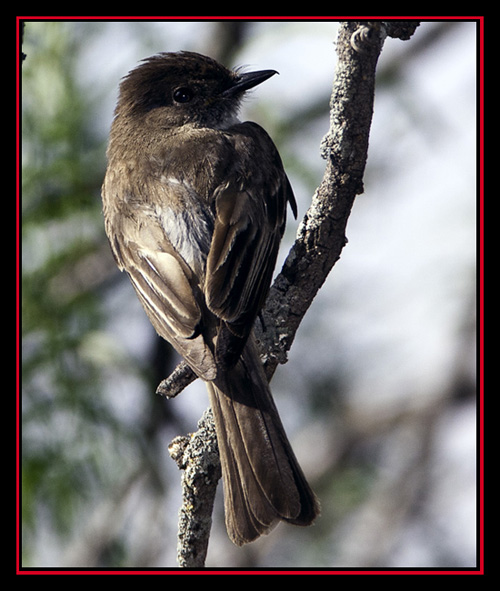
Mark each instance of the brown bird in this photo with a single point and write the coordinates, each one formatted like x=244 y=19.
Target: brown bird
x=195 y=208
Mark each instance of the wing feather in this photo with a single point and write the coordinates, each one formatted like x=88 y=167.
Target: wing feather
x=167 y=289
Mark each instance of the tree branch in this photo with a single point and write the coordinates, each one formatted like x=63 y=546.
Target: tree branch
x=198 y=456
x=321 y=234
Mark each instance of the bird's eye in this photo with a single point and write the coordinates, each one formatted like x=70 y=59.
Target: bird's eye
x=183 y=94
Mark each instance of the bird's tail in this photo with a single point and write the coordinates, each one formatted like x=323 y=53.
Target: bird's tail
x=263 y=482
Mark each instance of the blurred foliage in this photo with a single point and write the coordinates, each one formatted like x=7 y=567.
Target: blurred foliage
x=62 y=246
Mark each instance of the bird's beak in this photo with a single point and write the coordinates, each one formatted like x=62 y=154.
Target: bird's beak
x=248 y=80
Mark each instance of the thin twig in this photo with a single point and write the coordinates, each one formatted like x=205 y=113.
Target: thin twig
x=179 y=379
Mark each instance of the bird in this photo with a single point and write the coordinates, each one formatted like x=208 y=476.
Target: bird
x=195 y=206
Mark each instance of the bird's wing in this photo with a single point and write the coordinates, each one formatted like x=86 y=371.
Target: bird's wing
x=166 y=285
x=250 y=216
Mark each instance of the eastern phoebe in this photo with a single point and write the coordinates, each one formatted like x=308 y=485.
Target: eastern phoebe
x=195 y=207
